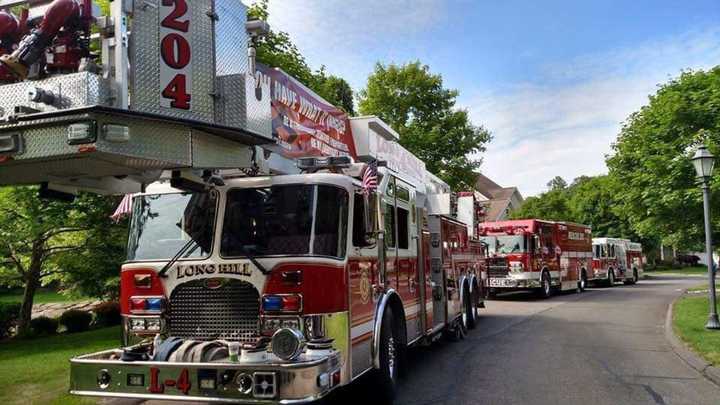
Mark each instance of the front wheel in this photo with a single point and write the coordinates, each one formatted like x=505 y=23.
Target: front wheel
x=545 y=285
x=387 y=375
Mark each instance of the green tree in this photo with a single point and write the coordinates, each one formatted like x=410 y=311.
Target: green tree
x=592 y=201
x=335 y=90
x=551 y=205
x=557 y=183
x=276 y=49
x=39 y=237
x=651 y=160
x=414 y=102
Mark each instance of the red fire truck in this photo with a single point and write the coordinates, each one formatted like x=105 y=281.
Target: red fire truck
x=536 y=255
x=278 y=249
x=616 y=260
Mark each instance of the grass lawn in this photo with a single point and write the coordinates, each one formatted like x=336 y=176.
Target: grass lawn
x=693 y=270
x=703 y=287
x=689 y=318
x=37 y=371
x=41 y=297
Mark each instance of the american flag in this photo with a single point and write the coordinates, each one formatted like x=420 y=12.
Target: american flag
x=124 y=209
x=369 y=180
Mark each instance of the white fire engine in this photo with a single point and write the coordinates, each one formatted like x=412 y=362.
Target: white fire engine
x=616 y=260
x=285 y=251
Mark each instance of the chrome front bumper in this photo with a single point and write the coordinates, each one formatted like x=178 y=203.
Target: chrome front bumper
x=515 y=281
x=273 y=381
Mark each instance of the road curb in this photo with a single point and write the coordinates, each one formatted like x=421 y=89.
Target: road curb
x=691 y=358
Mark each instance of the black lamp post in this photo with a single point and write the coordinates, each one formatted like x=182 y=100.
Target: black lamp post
x=704 y=162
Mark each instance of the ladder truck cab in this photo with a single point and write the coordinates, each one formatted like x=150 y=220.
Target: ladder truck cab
x=538 y=255
x=615 y=260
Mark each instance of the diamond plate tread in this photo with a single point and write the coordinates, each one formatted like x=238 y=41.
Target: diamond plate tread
x=145 y=57
x=75 y=90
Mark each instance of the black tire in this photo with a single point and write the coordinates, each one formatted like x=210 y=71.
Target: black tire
x=387 y=376
x=546 y=290
x=611 y=278
x=470 y=310
x=582 y=284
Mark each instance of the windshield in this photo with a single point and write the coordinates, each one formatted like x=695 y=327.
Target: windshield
x=504 y=244
x=285 y=220
x=163 y=223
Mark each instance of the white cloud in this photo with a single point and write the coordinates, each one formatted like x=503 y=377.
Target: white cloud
x=566 y=127
x=560 y=124
x=350 y=39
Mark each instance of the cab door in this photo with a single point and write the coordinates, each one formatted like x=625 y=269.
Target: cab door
x=407 y=256
x=547 y=250
x=390 y=227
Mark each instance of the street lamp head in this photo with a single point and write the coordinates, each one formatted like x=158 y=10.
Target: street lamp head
x=704 y=161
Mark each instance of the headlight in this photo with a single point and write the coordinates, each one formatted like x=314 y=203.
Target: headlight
x=272 y=324
x=146 y=324
x=516 y=266
x=287 y=343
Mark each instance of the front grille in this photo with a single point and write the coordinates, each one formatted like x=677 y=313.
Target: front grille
x=498 y=267
x=230 y=312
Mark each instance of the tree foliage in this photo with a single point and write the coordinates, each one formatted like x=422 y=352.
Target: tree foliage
x=414 y=102
x=651 y=160
x=557 y=183
x=43 y=240
x=276 y=49
x=588 y=200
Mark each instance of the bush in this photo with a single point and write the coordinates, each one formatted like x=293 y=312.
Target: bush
x=107 y=314
x=44 y=325
x=75 y=320
x=9 y=313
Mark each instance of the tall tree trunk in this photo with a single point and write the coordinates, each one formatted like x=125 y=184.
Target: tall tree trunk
x=32 y=282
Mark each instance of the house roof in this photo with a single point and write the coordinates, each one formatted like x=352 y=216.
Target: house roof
x=485 y=186
x=495 y=209
x=499 y=198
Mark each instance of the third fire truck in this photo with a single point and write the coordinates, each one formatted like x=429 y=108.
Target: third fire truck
x=616 y=259
x=536 y=255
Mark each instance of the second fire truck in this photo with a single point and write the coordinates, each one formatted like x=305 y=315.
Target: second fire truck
x=533 y=254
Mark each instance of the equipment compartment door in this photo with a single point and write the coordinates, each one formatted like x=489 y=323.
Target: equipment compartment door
x=437 y=275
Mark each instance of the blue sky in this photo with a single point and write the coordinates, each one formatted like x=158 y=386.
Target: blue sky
x=552 y=80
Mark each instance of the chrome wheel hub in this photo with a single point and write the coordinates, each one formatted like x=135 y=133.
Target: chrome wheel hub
x=391 y=356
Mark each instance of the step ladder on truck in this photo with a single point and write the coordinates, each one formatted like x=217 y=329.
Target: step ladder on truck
x=278 y=249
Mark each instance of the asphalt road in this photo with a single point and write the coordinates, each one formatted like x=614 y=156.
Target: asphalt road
x=605 y=346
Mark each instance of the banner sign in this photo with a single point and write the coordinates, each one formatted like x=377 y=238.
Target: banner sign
x=396 y=157
x=303 y=123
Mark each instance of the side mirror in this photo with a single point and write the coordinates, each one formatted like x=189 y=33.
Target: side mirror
x=536 y=242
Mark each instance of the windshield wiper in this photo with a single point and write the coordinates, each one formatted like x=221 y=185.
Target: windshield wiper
x=184 y=251
x=254 y=261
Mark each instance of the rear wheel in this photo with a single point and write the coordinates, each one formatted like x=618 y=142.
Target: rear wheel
x=582 y=284
x=387 y=375
x=470 y=310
